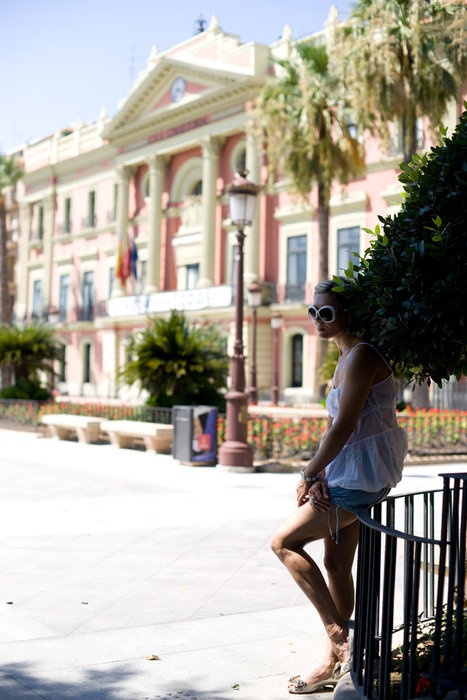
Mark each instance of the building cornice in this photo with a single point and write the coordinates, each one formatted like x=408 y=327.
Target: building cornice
x=294 y=213
x=393 y=194
x=346 y=202
x=205 y=107
x=78 y=167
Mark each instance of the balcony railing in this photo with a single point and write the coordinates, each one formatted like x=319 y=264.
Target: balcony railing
x=65 y=227
x=410 y=613
x=101 y=309
x=295 y=292
x=292 y=293
x=89 y=221
x=37 y=234
x=73 y=314
x=86 y=313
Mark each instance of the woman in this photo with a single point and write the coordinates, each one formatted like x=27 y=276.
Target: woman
x=359 y=460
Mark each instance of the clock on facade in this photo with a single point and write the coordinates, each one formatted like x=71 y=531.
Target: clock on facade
x=177 y=89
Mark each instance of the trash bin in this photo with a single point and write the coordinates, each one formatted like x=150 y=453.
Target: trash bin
x=195 y=435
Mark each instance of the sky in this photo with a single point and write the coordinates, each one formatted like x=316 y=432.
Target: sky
x=64 y=60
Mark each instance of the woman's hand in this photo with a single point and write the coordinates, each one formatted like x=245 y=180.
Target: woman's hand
x=302 y=492
x=318 y=496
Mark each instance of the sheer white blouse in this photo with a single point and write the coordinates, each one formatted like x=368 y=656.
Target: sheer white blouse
x=374 y=454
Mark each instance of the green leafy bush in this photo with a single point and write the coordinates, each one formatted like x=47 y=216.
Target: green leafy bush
x=410 y=288
x=26 y=389
x=179 y=363
x=30 y=351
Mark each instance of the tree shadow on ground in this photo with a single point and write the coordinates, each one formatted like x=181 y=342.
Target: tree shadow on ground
x=23 y=681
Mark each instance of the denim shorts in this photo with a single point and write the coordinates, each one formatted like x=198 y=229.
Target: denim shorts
x=351 y=500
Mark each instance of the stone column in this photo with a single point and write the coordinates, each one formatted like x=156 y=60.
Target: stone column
x=211 y=148
x=25 y=237
x=123 y=189
x=253 y=165
x=156 y=188
x=47 y=241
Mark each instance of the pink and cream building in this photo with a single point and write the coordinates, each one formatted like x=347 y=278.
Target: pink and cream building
x=153 y=175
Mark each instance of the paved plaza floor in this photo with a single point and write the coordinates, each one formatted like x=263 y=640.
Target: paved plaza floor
x=111 y=556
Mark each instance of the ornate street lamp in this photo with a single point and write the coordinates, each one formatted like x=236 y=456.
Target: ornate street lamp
x=254 y=300
x=235 y=451
x=276 y=323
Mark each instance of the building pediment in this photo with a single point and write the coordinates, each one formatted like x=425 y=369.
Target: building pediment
x=178 y=88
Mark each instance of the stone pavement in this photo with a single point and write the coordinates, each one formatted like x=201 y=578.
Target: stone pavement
x=110 y=556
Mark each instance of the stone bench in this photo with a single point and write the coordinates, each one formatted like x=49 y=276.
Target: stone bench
x=65 y=425
x=157 y=437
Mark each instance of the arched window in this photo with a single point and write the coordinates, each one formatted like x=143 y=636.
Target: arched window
x=238 y=157
x=197 y=189
x=240 y=160
x=145 y=186
x=297 y=360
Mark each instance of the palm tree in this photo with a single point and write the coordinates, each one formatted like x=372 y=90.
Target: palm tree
x=304 y=123
x=10 y=173
x=179 y=363
x=401 y=60
x=29 y=351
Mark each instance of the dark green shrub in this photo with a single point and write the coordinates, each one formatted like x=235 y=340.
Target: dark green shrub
x=26 y=389
x=410 y=290
x=179 y=363
x=30 y=351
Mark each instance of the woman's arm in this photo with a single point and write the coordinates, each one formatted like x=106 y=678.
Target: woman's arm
x=359 y=376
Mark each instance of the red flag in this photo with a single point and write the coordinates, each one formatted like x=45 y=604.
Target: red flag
x=123 y=269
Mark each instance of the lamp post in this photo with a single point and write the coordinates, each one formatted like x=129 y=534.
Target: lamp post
x=235 y=451
x=254 y=300
x=276 y=323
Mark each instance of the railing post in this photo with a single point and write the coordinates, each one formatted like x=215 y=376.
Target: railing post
x=387 y=620
x=458 y=641
x=361 y=597
x=441 y=573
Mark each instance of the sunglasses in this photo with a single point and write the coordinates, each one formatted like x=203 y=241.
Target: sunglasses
x=327 y=313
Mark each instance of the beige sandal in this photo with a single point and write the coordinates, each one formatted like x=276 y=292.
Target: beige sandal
x=299 y=687
x=341 y=668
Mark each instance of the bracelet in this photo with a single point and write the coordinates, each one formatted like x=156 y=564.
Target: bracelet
x=309 y=479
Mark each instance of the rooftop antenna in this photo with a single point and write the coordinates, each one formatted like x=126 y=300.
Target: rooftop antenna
x=200 y=25
x=132 y=67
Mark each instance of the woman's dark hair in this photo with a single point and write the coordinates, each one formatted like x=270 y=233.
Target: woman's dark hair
x=345 y=295
x=327 y=287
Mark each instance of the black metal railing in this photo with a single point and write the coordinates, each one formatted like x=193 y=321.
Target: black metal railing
x=85 y=313
x=101 y=309
x=108 y=411
x=410 y=613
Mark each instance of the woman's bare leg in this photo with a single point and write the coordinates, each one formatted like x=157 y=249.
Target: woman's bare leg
x=338 y=561
x=304 y=526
